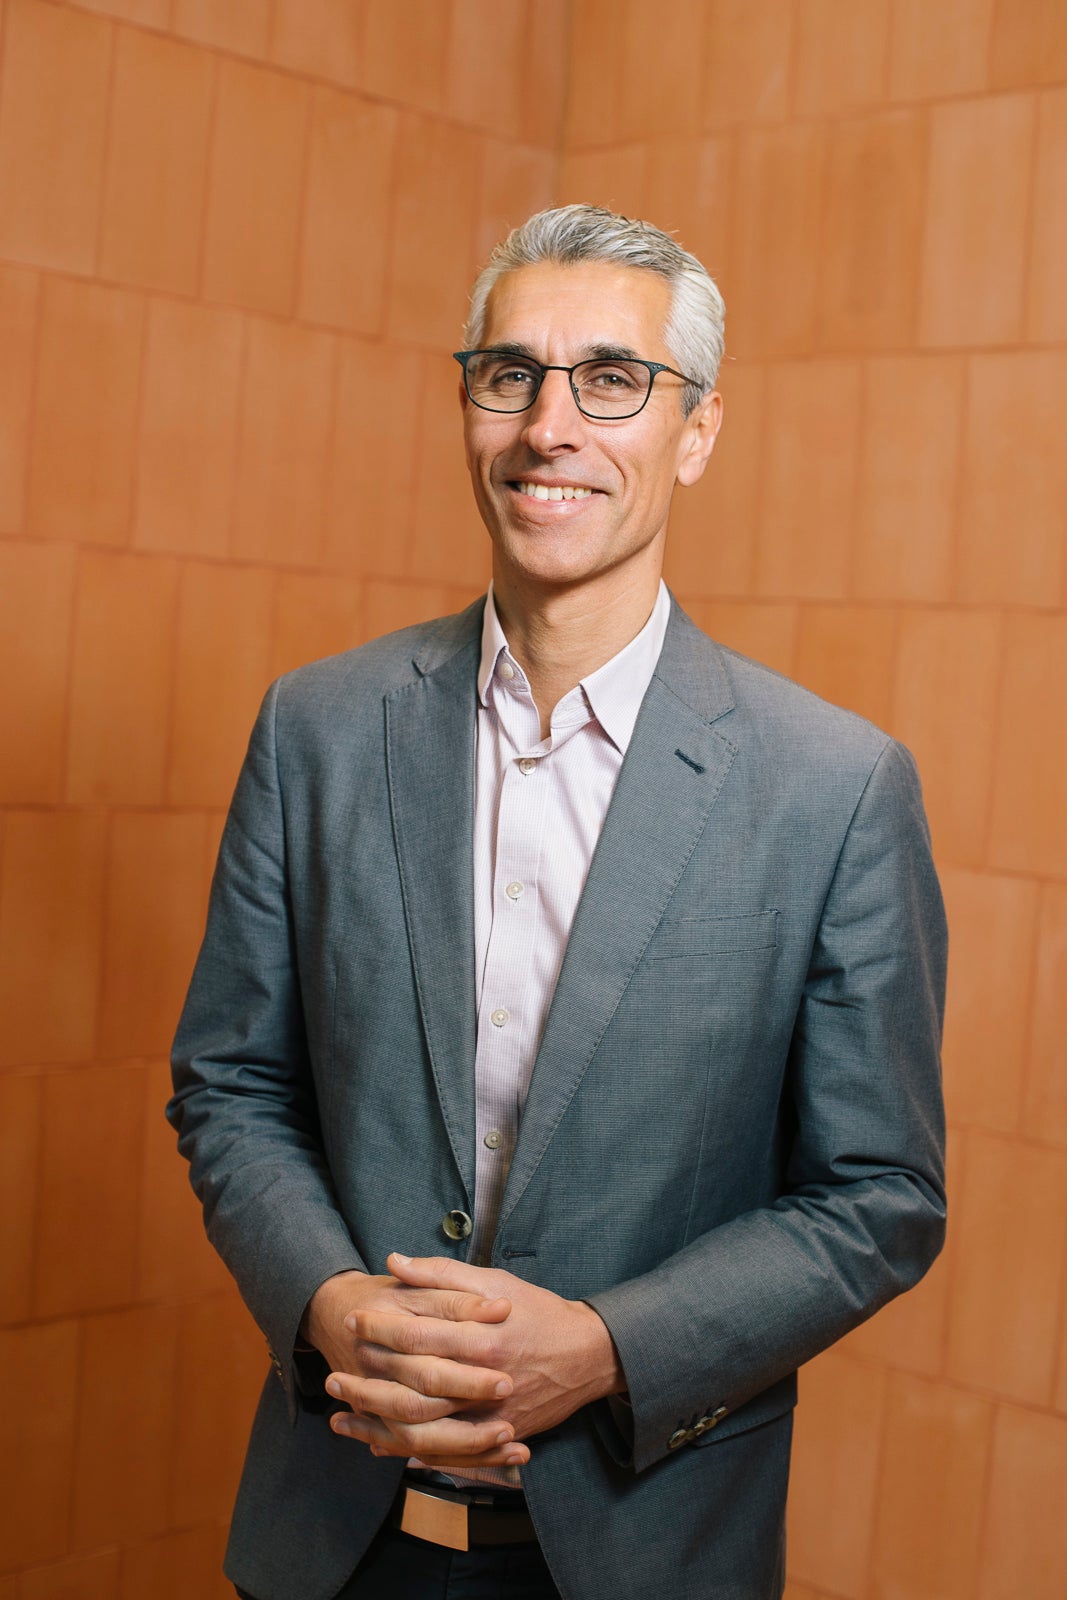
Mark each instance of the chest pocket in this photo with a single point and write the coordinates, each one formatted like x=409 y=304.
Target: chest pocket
x=714 y=936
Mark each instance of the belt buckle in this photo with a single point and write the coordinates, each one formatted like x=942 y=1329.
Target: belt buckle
x=426 y=1516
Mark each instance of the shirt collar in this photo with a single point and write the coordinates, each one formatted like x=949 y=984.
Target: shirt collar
x=614 y=691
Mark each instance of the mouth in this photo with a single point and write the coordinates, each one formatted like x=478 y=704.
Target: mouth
x=553 y=491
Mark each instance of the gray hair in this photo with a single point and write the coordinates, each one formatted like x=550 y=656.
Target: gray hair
x=570 y=234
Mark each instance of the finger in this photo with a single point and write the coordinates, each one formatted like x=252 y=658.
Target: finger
x=511 y=1455
x=452 y=1305
x=439 y=1272
x=451 y=1436
x=392 y=1401
x=470 y=1342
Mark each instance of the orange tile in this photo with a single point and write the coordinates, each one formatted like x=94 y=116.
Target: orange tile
x=81 y=460
x=51 y=902
x=976 y=214
x=157 y=161
x=176 y=1566
x=774 y=265
x=688 y=190
x=516 y=181
x=873 y=232
x=92 y=1577
x=53 y=113
x=221 y=1363
x=1012 y=1238
x=316 y=615
x=254 y=188
x=123 y=664
x=1046 y=316
x=223 y=670
x=450 y=544
x=1030 y=783
x=36 y=603
x=543 y=88
x=802 y=1591
x=993 y=926
x=318 y=37
x=155 y=920
x=21 y=1119
x=766 y=631
x=346 y=206
x=174 y=1259
x=434 y=217
x=1014 y=479
x=150 y=13
x=939 y=50
x=835 y=1464
x=239 y=25
x=373 y=457
x=1024 y=1551
x=944 y=710
x=846 y=654
x=93 y=1120
x=37 y=1431
x=748 y=54
x=405 y=58
x=661 y=81
x=909 y=466
x=1029 y=44
x=810 y=463
x=389 y=605
x=929 y=1518
x=909 y=1333
x=1045 y=1106
x=614 y=178
x=188 y=434
x=841 y=56
x=486 y=65
x=1060 y=1398
x=596 y=56
x=19 y=301
x=127 y=1402
x=712 y=534
x=284 y=441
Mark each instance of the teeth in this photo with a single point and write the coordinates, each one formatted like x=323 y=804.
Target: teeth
x=541 y=491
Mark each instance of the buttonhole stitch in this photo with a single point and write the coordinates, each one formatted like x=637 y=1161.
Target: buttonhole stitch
x=689 y=761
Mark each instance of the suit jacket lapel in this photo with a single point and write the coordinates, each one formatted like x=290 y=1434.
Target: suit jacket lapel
x=672 y=774
x=430 y=734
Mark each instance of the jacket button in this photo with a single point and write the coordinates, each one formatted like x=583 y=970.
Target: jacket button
x=457 y=1224
x=679 y=1436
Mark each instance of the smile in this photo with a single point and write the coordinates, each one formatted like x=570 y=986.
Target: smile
x=544 y=491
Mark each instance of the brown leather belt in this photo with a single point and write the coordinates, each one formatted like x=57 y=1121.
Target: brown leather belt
x=462 y=1519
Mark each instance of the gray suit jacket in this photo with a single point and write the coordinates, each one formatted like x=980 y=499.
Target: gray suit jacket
x=732 y=1143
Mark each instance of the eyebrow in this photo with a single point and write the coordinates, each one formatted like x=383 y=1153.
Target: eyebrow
x=592 y=352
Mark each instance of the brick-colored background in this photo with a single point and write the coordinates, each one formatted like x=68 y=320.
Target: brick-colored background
x=235 y=241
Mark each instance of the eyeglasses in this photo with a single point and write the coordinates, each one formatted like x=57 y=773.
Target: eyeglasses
x=604 y=389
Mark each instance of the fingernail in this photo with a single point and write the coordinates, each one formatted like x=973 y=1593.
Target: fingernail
x=333 y=1387
x=502 y=1388
x=402 y=1259
x=505 y=1437
x=514 y=1458
x=350 y=1322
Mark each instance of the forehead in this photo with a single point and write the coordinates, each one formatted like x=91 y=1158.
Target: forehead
x=569 y=310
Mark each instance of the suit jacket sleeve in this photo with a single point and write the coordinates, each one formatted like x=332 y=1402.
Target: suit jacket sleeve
x=863 y=1212
x=243 y=1104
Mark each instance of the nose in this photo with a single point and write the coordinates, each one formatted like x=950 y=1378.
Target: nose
x=553 y=422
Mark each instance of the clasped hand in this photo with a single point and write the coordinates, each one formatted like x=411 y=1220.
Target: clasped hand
x=455 y=1364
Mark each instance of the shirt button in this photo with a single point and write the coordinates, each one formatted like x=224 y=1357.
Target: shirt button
x=499 y=1017
x=513 y=891
x=506 y=670
x=526 y=765
x=493 y=1140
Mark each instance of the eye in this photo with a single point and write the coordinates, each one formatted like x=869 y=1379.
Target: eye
x=608 y=379
x=503 y=375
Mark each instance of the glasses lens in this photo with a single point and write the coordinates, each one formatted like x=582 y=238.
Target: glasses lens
x=612 y=388
x=502 y=383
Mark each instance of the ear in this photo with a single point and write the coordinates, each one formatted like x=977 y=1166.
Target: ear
x=698 y=439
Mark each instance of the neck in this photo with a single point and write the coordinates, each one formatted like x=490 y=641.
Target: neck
x=560 y=636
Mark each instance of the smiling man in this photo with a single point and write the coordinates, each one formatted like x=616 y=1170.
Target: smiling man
x=560 y=1069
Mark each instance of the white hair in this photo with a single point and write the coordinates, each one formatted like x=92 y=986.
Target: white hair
x=570 y=234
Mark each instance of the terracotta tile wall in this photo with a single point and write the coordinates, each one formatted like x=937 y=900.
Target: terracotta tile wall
x=235 y=242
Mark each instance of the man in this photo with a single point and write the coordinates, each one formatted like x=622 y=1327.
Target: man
x=560 y=1070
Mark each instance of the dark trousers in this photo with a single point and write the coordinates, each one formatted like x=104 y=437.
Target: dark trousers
x=398 y=1567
